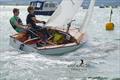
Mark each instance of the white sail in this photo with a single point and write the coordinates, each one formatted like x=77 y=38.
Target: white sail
x=88 y=15
x=64 y=13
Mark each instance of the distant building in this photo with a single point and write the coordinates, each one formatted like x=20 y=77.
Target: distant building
x=102 y=3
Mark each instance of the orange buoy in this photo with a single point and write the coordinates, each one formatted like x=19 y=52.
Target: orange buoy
x=110 y=26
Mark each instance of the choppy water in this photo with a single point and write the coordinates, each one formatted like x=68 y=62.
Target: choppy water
x=101 y=53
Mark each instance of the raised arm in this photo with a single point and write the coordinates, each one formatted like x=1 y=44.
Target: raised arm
x=37 y=21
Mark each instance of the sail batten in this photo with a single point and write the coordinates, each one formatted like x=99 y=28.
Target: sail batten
x=64 y=13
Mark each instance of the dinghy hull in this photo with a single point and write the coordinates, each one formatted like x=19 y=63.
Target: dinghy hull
x=49 y=50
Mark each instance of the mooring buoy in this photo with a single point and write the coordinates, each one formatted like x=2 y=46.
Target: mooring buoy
x=110 y=25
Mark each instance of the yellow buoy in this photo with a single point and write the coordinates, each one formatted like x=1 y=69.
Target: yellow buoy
x=110 y=26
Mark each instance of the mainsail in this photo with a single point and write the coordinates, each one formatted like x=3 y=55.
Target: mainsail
x=64 y=13
x=88 y=15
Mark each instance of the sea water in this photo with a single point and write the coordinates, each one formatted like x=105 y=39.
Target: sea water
x=101 y=53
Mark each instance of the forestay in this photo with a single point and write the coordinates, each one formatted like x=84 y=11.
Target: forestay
x=64 y=13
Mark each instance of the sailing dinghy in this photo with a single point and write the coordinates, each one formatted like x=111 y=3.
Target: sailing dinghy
x=60 y=21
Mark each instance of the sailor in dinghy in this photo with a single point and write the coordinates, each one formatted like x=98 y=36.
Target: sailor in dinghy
x=18 y=26
x=31 y=21
x=16 y=22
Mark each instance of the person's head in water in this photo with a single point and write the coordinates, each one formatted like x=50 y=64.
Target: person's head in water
x=16 y=12
x=30 y=9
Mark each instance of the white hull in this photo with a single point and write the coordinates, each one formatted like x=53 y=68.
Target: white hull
x=52 y=49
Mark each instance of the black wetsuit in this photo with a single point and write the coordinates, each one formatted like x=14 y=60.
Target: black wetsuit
x=30 y=21
x=35 y=28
